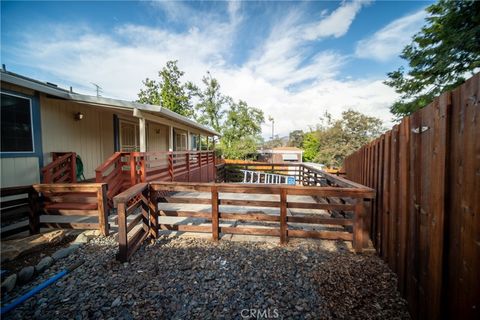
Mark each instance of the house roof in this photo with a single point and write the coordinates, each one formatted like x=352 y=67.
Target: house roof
x=281 y=150
x=54 y=90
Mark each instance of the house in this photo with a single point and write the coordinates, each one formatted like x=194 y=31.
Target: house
x=280 y=154
x=39 y=118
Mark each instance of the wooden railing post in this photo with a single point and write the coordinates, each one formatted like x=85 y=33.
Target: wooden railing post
x=170 y=165
x=143 y=173
x=187 y=159
x=283 y=217
x=154 y=226
x=215 y=214
x=122 y=232
x=73 y=167
x=34 y=212
x=103 y=209
x=360 y=236
x=133 y=170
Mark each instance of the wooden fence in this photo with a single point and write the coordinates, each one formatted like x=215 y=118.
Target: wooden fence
x=425 y=219
x=14 y=208
x=135 y=225
x=72 y=205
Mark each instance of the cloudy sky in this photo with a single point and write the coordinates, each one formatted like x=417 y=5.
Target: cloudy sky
x=294 y=60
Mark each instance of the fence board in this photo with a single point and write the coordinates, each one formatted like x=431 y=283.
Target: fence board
x=426 y=172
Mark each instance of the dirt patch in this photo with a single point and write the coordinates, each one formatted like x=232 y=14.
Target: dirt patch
x=32 y=258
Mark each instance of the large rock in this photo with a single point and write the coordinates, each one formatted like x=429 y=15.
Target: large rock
x=62 y=253
x=9 y=283
x=43 y=264
x=26 y=274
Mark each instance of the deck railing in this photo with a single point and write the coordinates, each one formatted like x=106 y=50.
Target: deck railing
x=126 y=169
x=63 y=169
x=154 y=199
x=56 y=205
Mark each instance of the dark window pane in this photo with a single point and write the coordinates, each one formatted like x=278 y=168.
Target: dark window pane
x=16 y=124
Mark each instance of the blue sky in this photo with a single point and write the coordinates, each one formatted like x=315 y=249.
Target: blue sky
x=295 y=60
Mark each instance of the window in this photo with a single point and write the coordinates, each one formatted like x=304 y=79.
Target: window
x=16 y=124
x=180 y=142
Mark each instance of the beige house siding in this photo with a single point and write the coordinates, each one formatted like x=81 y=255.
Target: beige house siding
x=157 y=137
x=91 y=138
x=19 y=171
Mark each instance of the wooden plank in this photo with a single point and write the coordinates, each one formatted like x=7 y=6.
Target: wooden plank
x=250 y=231
x=129 y=194
x=67 y=187
x=321 y=206
x=122 y=232
x=327 y=235
x=247 y=203
x=187 y=200
x=320 y=220
x=249 y=216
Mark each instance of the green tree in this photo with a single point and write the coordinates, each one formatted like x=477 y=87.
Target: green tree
x=446 y=50
x=169 y=92
x=310 y=146
x=241 y=132
x=339 y=138
x=295 y=138
x=210 y=109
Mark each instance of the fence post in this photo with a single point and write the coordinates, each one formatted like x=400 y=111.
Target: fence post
x=359 y=230
x=102 y=209
x=154 y=227
x=283 y=216
x=170 y=165
x=122 y=232
x=73 y=167
x=34 y=212
x=143 y=172
x=133 y=170
x=215 y=215
x=187 y=159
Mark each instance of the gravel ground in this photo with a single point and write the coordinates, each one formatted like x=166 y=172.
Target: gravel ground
x=191 y=278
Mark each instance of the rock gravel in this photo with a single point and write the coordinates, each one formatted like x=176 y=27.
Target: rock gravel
x=192 y=278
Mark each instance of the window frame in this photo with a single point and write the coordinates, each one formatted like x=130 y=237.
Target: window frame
x=35 y=128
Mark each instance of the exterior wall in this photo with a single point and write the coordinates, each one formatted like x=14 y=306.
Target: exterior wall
x=157 y=137
x=19 y=171
x=278 y=157
x=91 y=138
x=22 y=169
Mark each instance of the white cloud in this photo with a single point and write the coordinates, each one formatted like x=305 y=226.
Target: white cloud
x=389 y=41
x=120 y=60
x=336 y=24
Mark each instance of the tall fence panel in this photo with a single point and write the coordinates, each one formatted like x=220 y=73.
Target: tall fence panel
x=425 y=220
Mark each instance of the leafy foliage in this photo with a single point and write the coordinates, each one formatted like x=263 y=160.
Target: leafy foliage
x=295 y=138
x=445 y=51
x=333 y=140
x=169 y=92
x=241 y=131
x=210 y=107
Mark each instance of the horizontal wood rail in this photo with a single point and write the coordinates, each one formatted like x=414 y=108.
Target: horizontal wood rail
x=143 y=208
x=63 y=169
x=15 y=209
